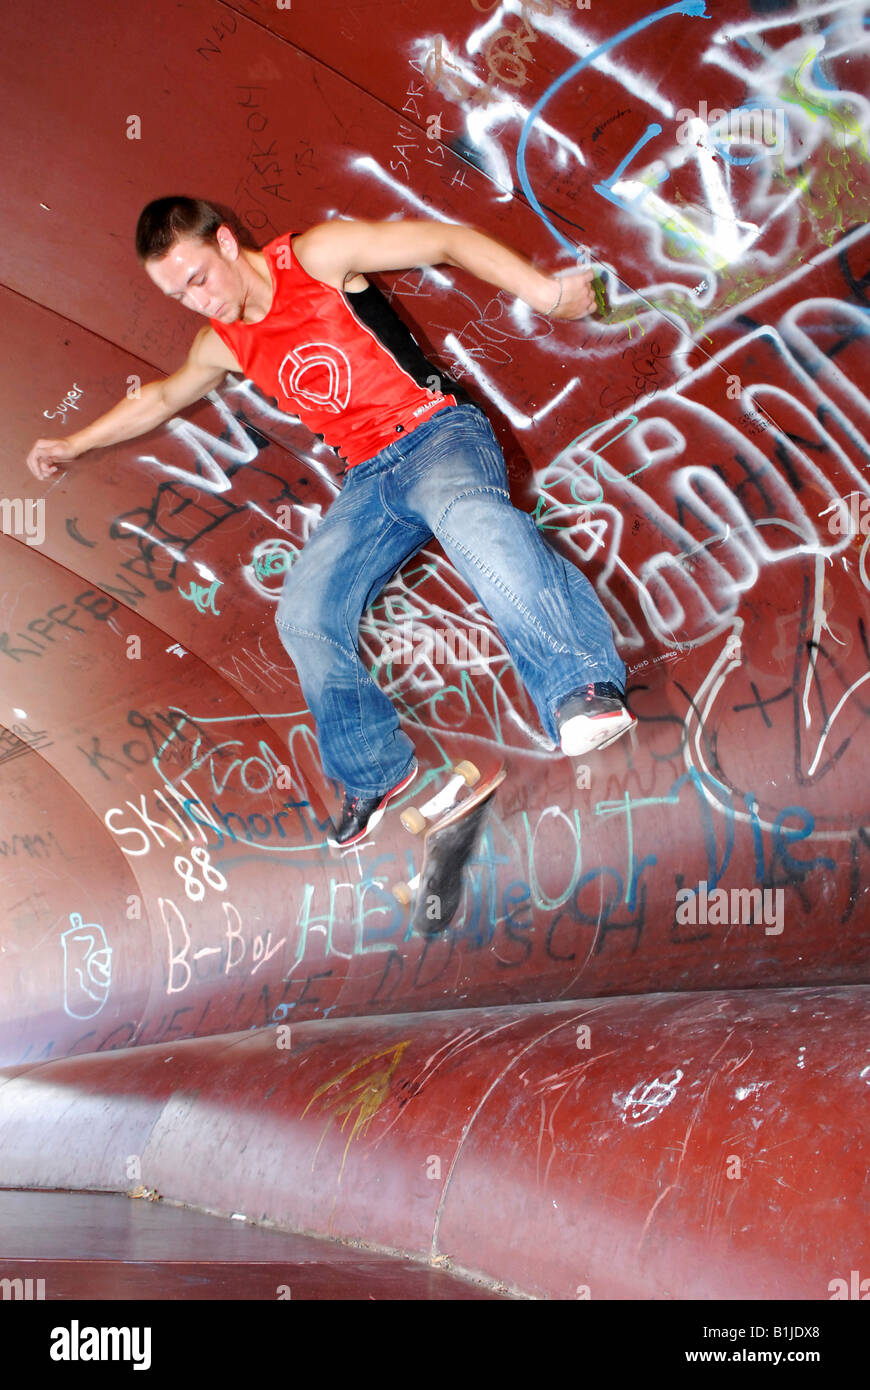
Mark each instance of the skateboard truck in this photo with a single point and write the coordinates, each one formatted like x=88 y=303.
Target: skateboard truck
x=415 y=818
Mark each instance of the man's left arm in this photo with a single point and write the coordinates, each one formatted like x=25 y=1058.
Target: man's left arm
x=336 y=251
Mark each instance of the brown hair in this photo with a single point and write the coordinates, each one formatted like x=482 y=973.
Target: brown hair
x=164 y=220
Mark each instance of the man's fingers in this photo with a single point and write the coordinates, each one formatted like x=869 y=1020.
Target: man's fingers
x=47 y=457
x=575 y=297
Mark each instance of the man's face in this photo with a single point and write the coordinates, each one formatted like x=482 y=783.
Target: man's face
x=202 y=276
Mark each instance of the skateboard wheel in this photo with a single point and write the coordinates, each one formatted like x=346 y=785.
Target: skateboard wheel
x=402 y=894
x=413 y=820
x=468 y=772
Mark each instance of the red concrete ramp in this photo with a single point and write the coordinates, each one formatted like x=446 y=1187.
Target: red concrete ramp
x=699 y=449
x=681 y=1146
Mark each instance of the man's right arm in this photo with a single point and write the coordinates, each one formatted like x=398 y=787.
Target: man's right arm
x=208 y=362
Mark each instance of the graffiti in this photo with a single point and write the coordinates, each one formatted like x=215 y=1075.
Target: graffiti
x=272 y=559
x=258 y=772
x=202 y=597
x=257 y=671
x=486 y=335
x=443 y=73
x=407 y=134
x=197 y=873
x=18 y=738
x=136 y=751
x=365 y=1093
x=258 y=948
x=96 y=606
x=72 y=530
x=723 y=236
x=263 y=169
x=699 y=449
x=35 y=846
x=87 y=968
x=646 y=1100
x=693 y=588
x=216 y=36
x=643 y=368
x=68 y=403
x=254 y=829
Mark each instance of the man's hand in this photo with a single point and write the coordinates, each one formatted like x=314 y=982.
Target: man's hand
x=46 y=454
x=577 y=297
x=207 y=364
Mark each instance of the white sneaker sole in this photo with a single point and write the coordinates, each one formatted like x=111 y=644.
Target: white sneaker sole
x=584 y=735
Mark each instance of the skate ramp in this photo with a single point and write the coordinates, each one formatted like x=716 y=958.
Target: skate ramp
x=698 y=449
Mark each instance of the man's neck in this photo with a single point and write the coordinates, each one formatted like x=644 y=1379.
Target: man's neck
x=258 y=290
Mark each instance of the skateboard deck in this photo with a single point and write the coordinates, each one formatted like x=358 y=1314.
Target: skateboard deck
x=448 y=844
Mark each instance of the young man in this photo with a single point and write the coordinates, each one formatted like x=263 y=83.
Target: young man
x=300 y=319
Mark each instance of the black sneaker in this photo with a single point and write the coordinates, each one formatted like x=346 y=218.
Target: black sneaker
x=360 y=814
x=592 y=717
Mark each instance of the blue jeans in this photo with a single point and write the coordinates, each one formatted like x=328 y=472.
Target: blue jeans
x=446 y=478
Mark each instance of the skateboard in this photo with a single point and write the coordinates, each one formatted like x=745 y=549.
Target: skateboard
x=451 y=830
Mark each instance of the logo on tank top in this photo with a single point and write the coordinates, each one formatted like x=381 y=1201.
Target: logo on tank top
x=317 y=374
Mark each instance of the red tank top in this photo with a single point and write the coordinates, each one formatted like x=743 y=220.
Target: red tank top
x=345 y=364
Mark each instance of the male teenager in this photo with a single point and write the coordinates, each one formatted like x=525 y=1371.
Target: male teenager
x=300 y=319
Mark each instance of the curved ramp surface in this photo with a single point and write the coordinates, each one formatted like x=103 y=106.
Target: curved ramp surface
x=674 y=1146
x=699 y=448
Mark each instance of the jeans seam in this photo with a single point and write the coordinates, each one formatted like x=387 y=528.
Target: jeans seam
x=362 y=733
x=319 y=636
x=491 y=576
x=360 y=671
x=407 y=525
x=517 y=603
x=472 y=492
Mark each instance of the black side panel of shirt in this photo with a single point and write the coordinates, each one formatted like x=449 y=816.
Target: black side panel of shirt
x=374 y=310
